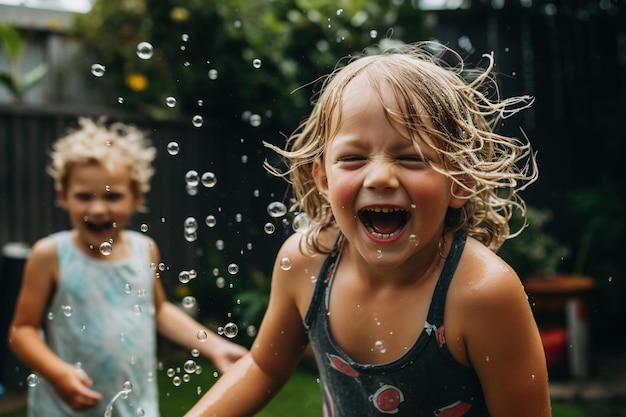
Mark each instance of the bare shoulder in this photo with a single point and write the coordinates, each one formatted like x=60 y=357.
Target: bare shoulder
x=296 y=269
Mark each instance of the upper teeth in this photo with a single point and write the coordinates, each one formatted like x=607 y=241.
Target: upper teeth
x=384 y=209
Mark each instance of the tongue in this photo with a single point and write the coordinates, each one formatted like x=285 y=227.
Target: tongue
x=386 y=223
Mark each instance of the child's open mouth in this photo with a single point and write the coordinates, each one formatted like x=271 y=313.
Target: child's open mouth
x=383 y=222
x=99 y=227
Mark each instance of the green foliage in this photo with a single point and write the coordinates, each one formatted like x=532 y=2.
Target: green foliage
x=14 y=80
x=296 y=42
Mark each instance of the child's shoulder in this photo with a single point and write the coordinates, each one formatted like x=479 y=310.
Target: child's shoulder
x=483 y=277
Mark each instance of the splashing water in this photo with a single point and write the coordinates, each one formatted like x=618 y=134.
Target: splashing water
x=127 y=389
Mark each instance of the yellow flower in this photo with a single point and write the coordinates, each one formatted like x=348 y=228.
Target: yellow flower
x=136 y=81
x=179 y=14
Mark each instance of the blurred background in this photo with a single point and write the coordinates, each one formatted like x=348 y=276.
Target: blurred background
x=210 y=80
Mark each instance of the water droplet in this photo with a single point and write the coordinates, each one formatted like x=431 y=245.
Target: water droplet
x=197 y=120
x=269 y=228
x=191 y=225
x=380 y=347
x=192 y=177
x=276 y=209
x=233 y=269
x=285 y=264
x=140 y=412
x=379 y=253
x=230 y=330
x=189 y=301
x=145 y=50
x=219 y=244
x=98 y=70
x=209 y=179
x=170 y=102
x=137 y=309
x=202 y=336
x=184 y=37
x=183 y=277
x=373 y=34
x=255 y=120
x=251 y=331
x=50 y=315
x=210 y=220
x=238 y=217
x=190 y=366
x=120 y=100
x=127 y=288
x=67 y=310
x=173 y=148
x=256 y=63
x=143 y=227
x=195 y=352
x=170 y=372
x=212 y=74
x=106 y=248
x=177 y=381
x=32 y=380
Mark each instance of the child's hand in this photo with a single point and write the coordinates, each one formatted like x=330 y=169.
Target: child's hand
x=226 y=353
x=73 y=387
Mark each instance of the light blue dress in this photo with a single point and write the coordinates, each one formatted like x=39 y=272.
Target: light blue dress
x=101 y=318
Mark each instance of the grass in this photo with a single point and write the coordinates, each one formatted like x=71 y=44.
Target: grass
x=301 y=396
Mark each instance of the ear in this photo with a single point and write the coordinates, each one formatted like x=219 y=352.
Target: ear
x=319 y=175
x=61 y=196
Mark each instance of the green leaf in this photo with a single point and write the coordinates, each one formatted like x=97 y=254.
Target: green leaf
x=32 y=77
x=9 y=82
x=11 y=41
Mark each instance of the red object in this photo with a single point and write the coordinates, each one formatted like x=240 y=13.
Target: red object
x=554 y=341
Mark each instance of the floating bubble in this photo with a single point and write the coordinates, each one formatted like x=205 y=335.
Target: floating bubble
x=251 y=331
x=269 y=228
x=32 y=380
x=120 y=100
x=220 y=282
x=184 y=277
x=98 y=70
x=233 y=269
x=191 y=225
x=189 y=301
x=173 y=148
x=301 y=223
x=212 y=74
x=170 y=372
x=276 y=209
x=192 y=273
x=50 y=315
x=230 y=330
x=195 y=352
x=170 y=102
x=285 y=264
x=191 y=189
x=210 y=220
x=190 y=367
x=67 y=310
x=143 y=227
x=219 y=244
x=197 y=120
x=145 y=50
x=177 y=381
x=202 y=336
x=186 y=378
x=209 y=179
x=192 y=177
x=255 y=120
x=106 y=248
x=373 y=34
x=256 y=63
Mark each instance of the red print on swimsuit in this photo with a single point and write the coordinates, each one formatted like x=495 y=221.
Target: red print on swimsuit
x=341 y=365
x=387 y=399
x=456 y=409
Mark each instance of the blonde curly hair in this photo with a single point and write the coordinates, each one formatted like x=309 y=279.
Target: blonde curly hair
x=94 y=142
x=462 y=110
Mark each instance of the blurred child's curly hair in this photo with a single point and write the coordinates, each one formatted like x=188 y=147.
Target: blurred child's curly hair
x=93 y=142
x=462 y=110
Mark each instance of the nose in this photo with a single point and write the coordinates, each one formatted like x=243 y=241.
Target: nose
x=97 y=207
x=381 y=175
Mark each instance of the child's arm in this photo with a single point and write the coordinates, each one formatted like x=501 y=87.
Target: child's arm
x=254 y=380
x=504 y=348
x=70 y=382
x=180 y=328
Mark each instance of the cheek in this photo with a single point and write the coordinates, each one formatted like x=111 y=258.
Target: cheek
x=342 y=191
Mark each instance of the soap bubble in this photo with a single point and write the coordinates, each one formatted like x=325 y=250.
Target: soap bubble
x=173 y=148
x=276 y=209
x=209 y=179
x=32 y=380
x=170 y=102
x=106 y=248
x=98 y=70
x=256 y=63
x=230 y=330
